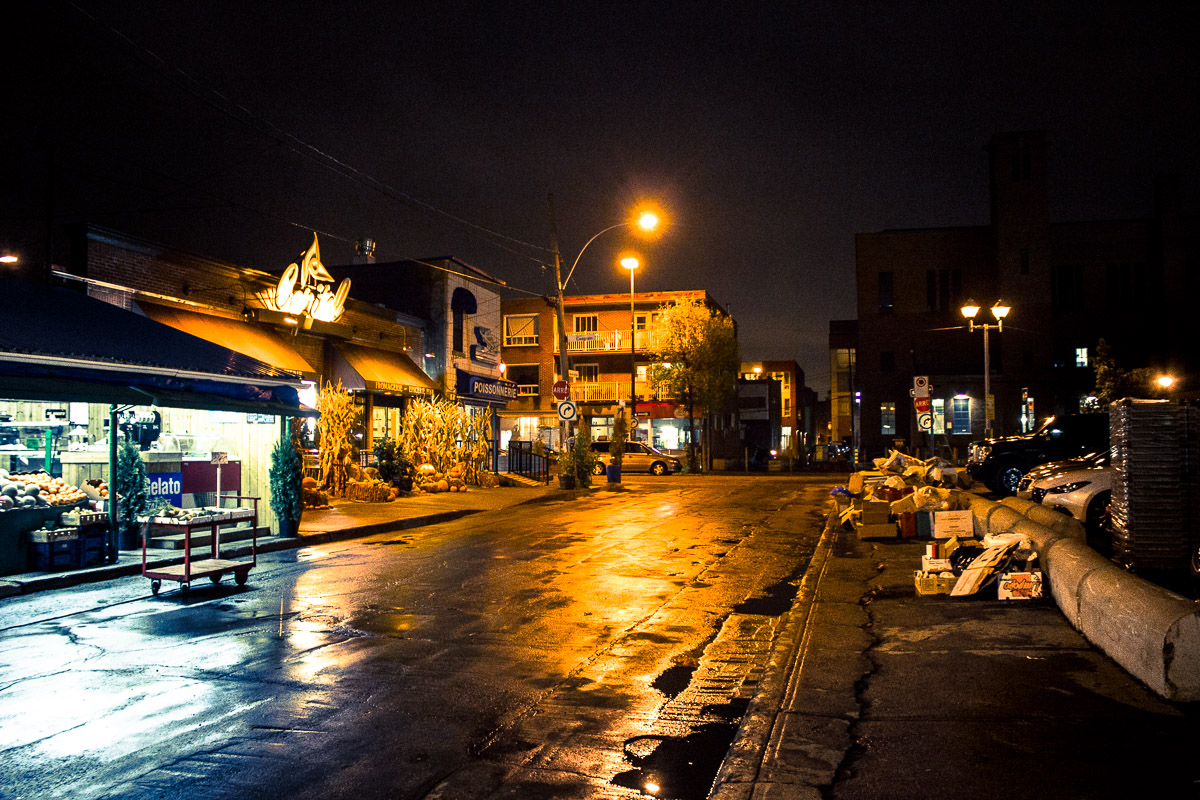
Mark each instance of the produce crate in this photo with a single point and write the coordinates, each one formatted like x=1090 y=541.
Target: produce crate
x=93 y=546
x=933 y=583
x=51 y=551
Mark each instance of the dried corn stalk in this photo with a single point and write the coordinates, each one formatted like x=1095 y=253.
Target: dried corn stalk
x=338 y=416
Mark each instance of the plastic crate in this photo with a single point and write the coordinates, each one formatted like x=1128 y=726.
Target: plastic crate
x=93 y=546
x=54 y=555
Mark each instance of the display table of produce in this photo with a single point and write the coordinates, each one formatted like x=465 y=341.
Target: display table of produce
x=176 y=520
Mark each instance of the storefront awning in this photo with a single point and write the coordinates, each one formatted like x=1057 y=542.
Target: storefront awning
x=241 y=337
x=386 y=371
x=58 y=344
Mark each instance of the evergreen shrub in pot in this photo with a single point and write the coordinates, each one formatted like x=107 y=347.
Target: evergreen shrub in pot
x=287 y=487
x=131 y=489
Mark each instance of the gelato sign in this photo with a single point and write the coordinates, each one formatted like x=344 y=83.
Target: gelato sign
x=306 y=289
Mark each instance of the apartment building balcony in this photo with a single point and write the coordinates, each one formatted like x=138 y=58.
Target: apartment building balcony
x=611 y=392
x=609 y=342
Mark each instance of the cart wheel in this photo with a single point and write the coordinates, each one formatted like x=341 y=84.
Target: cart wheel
x=241 y=577
x=183 y=589
x=155 y=585
x=216 y=579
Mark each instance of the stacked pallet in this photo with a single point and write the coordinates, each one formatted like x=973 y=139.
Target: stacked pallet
x=1156 y=464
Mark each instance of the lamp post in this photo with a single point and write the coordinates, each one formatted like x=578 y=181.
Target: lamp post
x=631 y=263
x=647 y=220
x=999 y=311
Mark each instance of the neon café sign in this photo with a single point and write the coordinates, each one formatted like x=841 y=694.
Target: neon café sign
x=306 y=290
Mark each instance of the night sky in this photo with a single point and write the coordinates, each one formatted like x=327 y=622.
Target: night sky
x=770 y=133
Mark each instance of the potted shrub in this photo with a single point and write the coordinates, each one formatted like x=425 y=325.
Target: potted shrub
x=287 y=487
x=394 y=467
x=616 y=448
x=583 y=460
x=131 y=488
x=566 y=468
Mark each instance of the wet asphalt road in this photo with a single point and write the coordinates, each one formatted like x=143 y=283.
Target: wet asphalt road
x=560 y=649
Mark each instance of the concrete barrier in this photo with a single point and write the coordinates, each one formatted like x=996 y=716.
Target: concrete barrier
x=1154 y=634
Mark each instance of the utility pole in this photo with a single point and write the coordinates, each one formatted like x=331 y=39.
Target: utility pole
x=562 y=325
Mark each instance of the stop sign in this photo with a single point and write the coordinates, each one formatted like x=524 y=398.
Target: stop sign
x=561 y=390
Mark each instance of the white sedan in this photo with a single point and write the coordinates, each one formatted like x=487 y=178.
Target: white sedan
x=1082 y=493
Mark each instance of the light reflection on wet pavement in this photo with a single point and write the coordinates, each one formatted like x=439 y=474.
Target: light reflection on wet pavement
x=508 y=649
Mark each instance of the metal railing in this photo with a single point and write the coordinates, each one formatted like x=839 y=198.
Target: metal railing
x=610 y=342
x=523 y=461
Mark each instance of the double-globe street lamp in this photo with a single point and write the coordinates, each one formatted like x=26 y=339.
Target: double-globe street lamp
x=999 y=311
x=647 y=220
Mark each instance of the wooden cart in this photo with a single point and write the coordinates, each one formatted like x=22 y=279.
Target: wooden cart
x=214 y=567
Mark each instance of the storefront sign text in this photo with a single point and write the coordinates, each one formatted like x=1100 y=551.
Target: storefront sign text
x=168 y=486
x=307 y=289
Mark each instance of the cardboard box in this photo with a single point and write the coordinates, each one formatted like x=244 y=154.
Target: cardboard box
x=924 y=524
x=875 y=512
x=933 y=582
x=930 y=564
x=1019 y=586
x=880 y=530
x=908 y=525
x=861 y=480
x=953 y=523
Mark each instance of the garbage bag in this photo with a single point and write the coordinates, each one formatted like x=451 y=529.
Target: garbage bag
x=931 y=498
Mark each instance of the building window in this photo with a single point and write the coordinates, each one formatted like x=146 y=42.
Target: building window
x=886 y=295
x=943 y=288
x=588 y=373
x=961 y=410
x=641 y=321
x=587 y=323
x=938 y=407
x=887 y=419
x=1081 y=356
x=520 y=329
x=526 y=377
x=1066 y=289
x=462 y=303
x=887 y=361
x=787 y=405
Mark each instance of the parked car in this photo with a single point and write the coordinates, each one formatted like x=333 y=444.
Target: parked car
x=639 y=457
x=1000 y=463
x=1082 y=493
x=1053 y=468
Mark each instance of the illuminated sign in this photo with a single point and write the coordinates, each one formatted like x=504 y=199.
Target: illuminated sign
x=307 y=289
x=481 y=388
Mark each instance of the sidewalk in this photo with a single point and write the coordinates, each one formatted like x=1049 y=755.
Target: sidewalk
x=342 y=520
x=876 y=692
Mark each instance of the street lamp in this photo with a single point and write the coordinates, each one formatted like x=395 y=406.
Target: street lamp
x=631 y=263
x=999 y=311
x=647 y=220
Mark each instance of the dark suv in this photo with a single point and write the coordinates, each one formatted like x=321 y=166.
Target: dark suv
x=1000 y=463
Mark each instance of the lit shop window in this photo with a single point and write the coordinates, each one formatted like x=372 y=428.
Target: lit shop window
x=887 y=419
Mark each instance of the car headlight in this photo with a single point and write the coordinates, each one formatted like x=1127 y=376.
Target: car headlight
x=1067 y=488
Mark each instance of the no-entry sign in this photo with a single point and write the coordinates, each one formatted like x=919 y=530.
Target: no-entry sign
x=561 y=390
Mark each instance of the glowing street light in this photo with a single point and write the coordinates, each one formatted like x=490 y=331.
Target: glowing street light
x=999 y=311
x=647 y=220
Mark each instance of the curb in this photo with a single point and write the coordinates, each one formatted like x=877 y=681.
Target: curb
x=106 y=572
x=742 y=764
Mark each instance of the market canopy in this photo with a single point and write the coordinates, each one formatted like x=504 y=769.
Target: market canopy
x=241 y=337
x=56 y=343
x=386 y=371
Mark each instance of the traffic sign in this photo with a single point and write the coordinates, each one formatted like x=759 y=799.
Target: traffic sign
x=922 y=405
x=567 y=411
x=561 y=390
x=925 y=422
